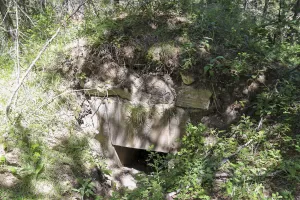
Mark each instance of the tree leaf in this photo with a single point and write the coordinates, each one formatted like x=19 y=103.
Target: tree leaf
x=206 y=68
x=2 y=159
x=220 y=57
x=39 y=169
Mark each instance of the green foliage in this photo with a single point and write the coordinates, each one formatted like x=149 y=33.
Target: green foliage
x=240 y=64
x=282 y=100
x=97 y=30
x=215 y=65
x=253 y=159
x=188 y=55
x=86 y=188
x=6 y=67
x=137 y=115
x=2 y=159
x=259 y=154
x=44 y=27
x=257 y=150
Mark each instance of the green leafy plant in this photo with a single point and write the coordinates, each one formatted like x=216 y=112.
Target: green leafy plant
x=215 y=65
x=2 y=159
x=188 y=55
x=86 y=188
x=241 y=64
x=137 y=114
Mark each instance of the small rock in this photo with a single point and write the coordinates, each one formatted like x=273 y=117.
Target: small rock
x=187 y=79
x=129 y=51
x=160 y=92
x=261 y=79
x=13 y=157
x=112 y=72
x=171 y=196
x=210 y=140
x=7 y=180
x=188 y=97
x=44 y=188
x=128 y=181
x=251 y=89
x=232 y=113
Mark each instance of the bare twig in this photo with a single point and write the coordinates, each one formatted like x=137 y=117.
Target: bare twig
x=61 y=94
x=6 y=13
x=77 y=9
x=17 y=46
x=25 y=14
x=260 y=124
x=225 y=160
x=27 y=72
x=266 y=174
x=100 y=104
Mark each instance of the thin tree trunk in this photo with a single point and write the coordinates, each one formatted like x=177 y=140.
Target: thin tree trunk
x=279 y=26
x=17 y=46
x=245 y=4
x=266 y=6
x=280 y=11
x=24 y=7
x=255 y=4
x=43 y=5
x=8 y=23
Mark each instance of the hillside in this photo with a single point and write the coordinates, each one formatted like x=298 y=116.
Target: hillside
x=150 y=99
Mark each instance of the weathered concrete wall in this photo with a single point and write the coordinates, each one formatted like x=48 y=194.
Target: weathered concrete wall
x=138 y=126
x=140 y=112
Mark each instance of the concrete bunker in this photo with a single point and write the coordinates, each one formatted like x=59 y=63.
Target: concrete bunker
x=142 y=113
x=159 y=129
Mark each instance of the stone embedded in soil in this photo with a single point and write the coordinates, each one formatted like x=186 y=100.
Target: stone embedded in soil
x=159 y=90
x=105 y=90
x=189 y=97
x=13 y=157
x=187 y=79
x=44 y=187
x=7 y=180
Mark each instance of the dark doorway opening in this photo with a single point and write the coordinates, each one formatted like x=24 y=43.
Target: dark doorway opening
x=136 y=158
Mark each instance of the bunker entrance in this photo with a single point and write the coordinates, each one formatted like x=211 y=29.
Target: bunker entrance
x=136 y=158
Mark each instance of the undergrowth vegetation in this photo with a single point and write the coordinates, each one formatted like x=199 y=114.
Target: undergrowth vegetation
x=49 y=154
x=258 y=156
x=221 y=42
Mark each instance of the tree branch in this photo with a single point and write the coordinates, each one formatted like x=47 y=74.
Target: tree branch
x=63 y=93
x=77 y=9
x=27 y=72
